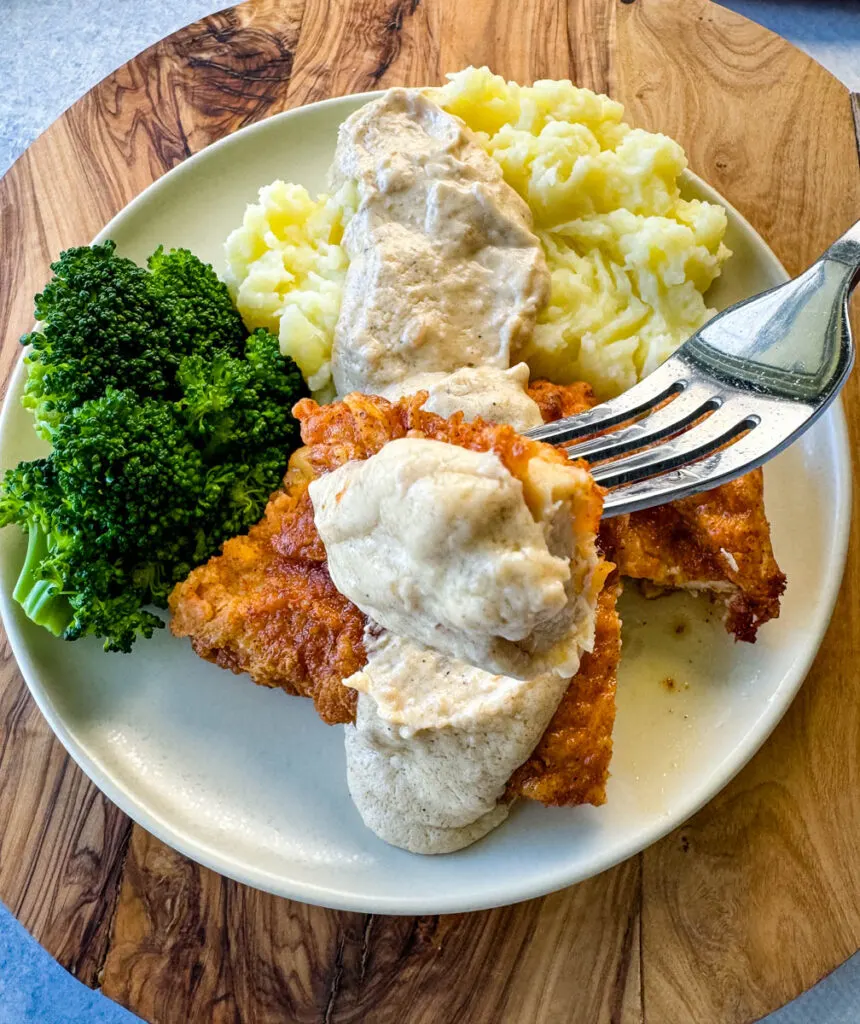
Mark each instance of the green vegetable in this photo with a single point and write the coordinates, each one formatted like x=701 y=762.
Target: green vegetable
x=201 y=317
x=170 y=429
x=106 y=322
x=29 y=498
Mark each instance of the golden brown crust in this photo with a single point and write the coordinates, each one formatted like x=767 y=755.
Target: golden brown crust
x=267 y=605
x=558 y=400
x=717 y=542
x=571 y=763
x=275 y=614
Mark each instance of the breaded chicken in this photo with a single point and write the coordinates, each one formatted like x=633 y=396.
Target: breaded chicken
x=267 y=606
x=558 y=400
x=254 y=588
x=571 y=763
x=716 y=543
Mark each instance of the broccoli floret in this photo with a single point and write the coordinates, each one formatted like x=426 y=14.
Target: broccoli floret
x=239 y=409
x=170 y=429
x=131 y=475
x=105 y=322
x=100 y=327
x=202 y=317
x=115 y=517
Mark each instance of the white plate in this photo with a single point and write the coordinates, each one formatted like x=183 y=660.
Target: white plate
x=249 y=781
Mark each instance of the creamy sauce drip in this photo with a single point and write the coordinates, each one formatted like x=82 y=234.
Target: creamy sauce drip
x=486 y=392
x=435 y=742
x=445 y=269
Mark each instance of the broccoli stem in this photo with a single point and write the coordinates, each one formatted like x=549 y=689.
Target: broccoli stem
x=38 y=597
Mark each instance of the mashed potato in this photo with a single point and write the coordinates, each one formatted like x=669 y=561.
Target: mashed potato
x=285 y=269
x=629 y=258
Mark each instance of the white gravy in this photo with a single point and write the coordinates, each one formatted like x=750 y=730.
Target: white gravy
x=445 y=270
x=485 y=392
x=435 y=742
x=438 y=543
x=488 y=595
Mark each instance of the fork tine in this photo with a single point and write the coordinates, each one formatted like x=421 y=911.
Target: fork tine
x=743 y=456
x=780 y=423
x=681 y=412
x=669 y=379
x=717 y=430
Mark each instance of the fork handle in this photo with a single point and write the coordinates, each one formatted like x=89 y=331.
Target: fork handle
x=847 y=250
x=793 y=342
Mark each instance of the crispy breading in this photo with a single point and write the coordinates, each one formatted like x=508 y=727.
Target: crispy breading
x=571 y=762
x=558 y=400
x=267 y=606
x=360 y=425
x=717 y=542
x=248 y=609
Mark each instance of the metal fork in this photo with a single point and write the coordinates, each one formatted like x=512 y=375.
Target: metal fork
x=738 y=392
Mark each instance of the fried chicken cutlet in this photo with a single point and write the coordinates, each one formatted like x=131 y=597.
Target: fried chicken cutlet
x=717 y=542
x=266 y=605
x=570 y=764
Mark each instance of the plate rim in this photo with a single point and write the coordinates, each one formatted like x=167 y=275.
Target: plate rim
x=509 y=891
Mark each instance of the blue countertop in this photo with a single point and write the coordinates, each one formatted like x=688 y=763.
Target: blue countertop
x=59 y=49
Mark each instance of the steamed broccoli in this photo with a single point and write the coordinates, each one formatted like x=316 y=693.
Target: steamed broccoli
x=29 y=497
x=106 y=322
x=196 y=303
x=170 y=429
x=239 y=412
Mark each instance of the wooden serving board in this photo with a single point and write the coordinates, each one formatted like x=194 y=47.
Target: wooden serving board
x=733 y=914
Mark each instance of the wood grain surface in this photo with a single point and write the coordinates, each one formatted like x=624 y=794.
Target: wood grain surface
x=735 y=913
